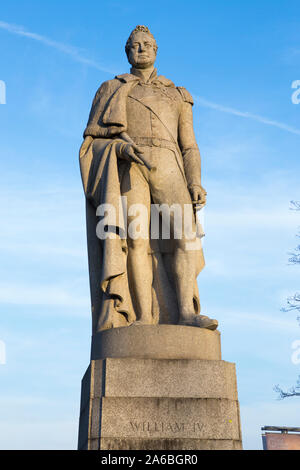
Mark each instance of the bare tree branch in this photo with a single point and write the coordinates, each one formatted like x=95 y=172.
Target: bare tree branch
x=292 y=392
x=295 y=257
x=295 y=206
x=293 y=304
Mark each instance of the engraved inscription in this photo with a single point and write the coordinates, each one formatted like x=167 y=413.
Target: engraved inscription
x=159 y=426
x=197 y=427
x=146 y=426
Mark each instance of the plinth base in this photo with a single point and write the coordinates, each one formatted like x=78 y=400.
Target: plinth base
x=142 y=403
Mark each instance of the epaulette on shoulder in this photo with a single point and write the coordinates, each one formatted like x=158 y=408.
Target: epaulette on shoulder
x=186 y=96
x=165 y=81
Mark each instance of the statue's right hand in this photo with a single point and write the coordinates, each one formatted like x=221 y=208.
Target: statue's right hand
x=128 y=152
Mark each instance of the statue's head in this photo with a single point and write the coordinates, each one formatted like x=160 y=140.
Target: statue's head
x=141 y=48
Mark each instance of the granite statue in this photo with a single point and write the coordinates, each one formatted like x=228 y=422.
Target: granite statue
x=140 y=151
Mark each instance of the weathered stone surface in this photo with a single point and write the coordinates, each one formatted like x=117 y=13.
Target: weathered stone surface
x=156 y=379
x=138 y=403
x=157 y=342
x=167 y=444
x=139 y=144
x=168 y=378
x=171 y=418
x=84 y=422
x=91 y=387
x=86 y=387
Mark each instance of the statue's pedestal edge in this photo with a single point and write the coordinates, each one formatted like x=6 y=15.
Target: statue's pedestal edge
x=137 y=402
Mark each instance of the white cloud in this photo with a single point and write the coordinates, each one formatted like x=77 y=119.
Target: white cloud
x=76 y=55
x=50 y=295
x=33 y=434
x=44 y=249
x=43 y=223
x=251 y=320
x=255 y=117
x=66 y=49
x=249 y=232
x=257 y=218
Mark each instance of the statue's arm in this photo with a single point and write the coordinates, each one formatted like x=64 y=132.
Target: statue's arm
x=102 y=95
x=189 y=148
x=94 y=142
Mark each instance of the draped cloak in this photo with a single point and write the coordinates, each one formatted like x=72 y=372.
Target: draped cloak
x=111 y=298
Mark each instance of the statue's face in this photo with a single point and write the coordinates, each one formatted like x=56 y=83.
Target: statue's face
x=142 y=51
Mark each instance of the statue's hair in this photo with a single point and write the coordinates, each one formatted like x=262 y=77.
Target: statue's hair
x=137 y=29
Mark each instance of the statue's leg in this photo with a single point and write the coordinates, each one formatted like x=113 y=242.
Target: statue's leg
x=139 y=264
x=169 y=188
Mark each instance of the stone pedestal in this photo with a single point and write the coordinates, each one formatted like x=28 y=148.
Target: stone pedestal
x=159 y=387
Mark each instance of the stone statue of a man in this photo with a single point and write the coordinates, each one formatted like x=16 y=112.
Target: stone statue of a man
x=139 y=147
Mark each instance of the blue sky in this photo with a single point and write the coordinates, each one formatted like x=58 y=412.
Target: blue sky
x=238 y=59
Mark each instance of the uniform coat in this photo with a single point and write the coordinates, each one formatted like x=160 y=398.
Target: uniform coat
x=157 y=116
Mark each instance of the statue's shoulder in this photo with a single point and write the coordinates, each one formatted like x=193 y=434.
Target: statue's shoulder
x=107 y=87
x=165 y=81
x=185 y=95
x=178 y=92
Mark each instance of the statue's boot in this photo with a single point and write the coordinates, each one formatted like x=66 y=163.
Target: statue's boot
x=201 y=321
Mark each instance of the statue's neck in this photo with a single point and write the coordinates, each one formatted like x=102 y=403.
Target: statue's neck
x=144 y=74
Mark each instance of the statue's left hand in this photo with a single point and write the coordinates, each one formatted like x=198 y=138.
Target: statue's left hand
x=198 y=195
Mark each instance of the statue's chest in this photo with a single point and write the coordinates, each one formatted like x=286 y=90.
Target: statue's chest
x=160 y=100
